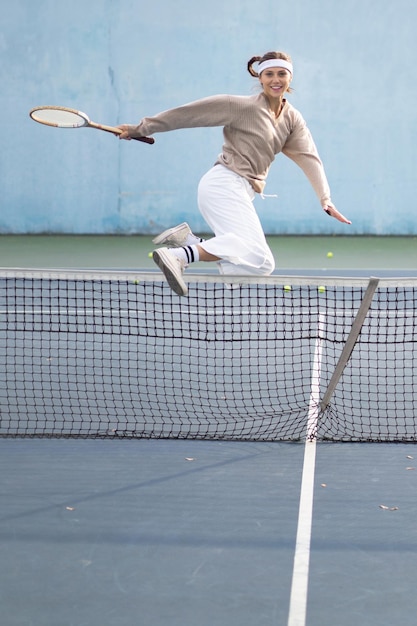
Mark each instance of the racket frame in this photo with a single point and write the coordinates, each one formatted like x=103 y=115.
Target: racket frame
x=84 y=121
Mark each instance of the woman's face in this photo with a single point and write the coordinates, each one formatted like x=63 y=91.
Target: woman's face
x=275 y=81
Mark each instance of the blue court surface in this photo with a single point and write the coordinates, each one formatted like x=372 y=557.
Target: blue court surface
x=158 y=532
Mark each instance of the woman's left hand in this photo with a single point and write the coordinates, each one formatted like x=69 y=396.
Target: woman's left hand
x=333 y=212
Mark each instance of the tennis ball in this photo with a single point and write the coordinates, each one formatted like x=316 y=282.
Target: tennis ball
x=287 y=287
x=329 y=255
x=136 y=282
x=150 y=254
x=321 y=289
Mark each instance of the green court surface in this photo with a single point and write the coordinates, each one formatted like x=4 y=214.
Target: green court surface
x=131 y=252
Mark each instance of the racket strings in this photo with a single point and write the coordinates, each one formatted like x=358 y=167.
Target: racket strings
x=59 y=116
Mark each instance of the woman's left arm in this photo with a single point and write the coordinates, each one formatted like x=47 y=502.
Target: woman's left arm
x=301 y=149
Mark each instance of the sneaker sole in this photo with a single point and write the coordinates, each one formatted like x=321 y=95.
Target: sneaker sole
x=171 y=274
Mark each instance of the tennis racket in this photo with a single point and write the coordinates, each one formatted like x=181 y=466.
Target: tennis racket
x=63 y=117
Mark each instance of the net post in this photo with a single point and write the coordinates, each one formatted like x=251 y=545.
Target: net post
x=351 y=341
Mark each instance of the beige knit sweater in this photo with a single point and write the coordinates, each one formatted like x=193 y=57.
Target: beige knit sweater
x=252 y=136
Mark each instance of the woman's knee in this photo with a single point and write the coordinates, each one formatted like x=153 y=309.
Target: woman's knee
x=263 y=263
x=263 y=267
x=267 y=266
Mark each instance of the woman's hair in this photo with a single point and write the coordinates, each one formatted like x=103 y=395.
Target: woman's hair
x=266 y=57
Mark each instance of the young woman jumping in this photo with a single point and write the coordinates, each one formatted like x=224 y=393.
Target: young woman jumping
x=255 y=129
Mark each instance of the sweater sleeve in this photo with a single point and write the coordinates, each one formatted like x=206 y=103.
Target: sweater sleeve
x=212 y=111
x=301 y=149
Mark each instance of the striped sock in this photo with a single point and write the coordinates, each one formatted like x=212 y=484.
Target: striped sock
x=189 y=254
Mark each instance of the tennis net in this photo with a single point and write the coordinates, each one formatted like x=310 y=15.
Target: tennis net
x=117 y=354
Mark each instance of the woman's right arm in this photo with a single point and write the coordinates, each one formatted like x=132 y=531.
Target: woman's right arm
x=211 y=111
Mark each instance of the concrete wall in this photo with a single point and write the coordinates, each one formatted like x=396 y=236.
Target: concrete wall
x=118 y=60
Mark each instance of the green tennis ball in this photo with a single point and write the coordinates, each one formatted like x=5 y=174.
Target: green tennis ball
x=287 y=287
x=150 y=254
x=136 y=282
x=321 y=289
x=329 y=255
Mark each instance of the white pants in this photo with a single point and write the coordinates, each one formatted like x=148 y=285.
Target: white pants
x=225 y=200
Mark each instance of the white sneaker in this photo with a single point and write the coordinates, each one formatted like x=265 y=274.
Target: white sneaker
x=173 y=269
x=174 y=237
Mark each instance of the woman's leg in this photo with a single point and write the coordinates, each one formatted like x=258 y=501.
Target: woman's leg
x=239 y=245
x=226 y=202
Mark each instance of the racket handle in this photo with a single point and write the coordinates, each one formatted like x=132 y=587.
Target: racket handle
x=145 y=139
x=116 y=131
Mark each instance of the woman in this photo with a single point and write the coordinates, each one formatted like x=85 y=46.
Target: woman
x=255 y=129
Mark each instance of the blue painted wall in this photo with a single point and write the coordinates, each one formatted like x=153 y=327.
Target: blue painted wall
x=118 y=60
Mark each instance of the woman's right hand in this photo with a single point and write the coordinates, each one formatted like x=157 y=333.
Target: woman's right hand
x=125 y=132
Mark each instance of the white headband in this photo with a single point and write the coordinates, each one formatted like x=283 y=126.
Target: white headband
x=275 y=63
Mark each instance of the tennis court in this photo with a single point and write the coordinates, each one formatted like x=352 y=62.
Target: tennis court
x=229 y=516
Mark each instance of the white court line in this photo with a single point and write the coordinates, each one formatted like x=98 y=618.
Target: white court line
x=299 y=586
